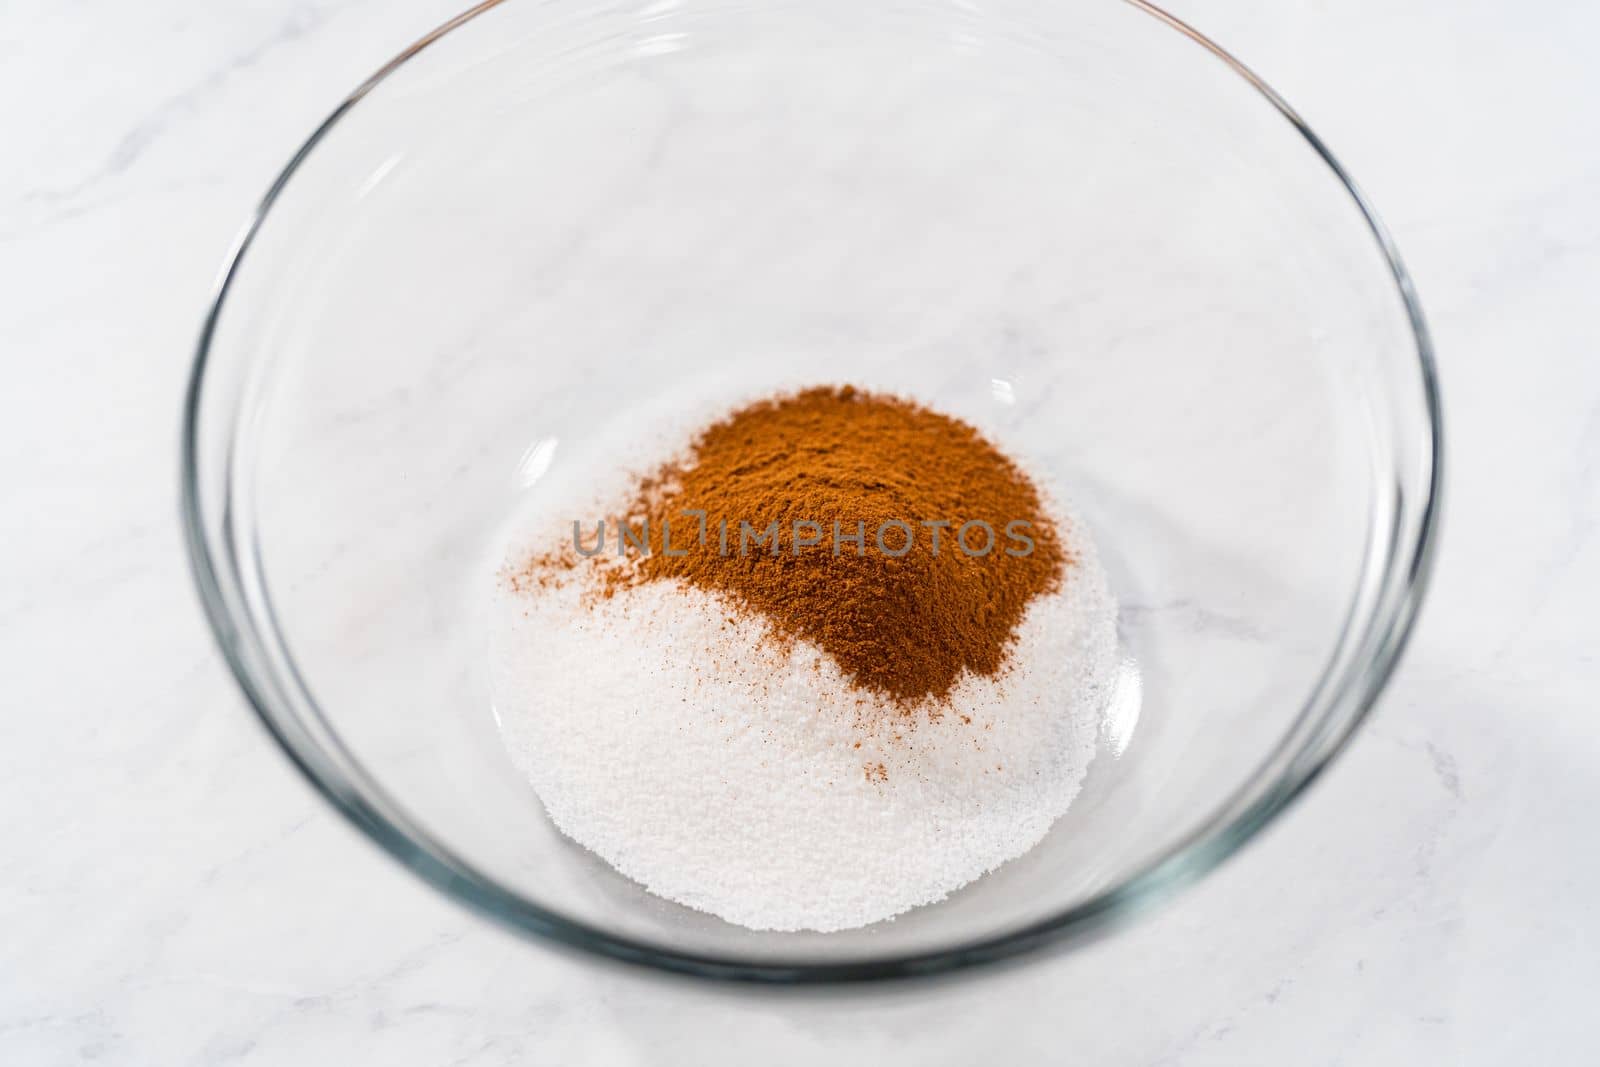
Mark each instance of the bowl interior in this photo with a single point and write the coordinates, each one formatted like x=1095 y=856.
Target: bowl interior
x=1074 y=227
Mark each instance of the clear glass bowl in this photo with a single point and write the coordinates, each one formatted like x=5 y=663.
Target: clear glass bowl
x=1083 y=227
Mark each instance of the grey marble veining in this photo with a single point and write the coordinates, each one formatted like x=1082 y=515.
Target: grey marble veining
x=171 y=893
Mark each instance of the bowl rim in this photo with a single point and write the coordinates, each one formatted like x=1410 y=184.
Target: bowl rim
x=1348 y=690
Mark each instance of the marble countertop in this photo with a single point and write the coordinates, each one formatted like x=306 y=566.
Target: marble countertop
x=172 y=893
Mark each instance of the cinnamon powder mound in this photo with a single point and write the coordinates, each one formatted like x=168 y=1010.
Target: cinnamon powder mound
x=902 y=616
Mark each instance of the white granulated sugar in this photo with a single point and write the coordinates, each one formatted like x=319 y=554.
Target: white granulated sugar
x=722 y=770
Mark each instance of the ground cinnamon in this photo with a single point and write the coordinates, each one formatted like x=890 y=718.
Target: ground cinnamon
x=896 y=539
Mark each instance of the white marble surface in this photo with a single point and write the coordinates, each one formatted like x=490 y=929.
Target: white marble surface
x=171 y=893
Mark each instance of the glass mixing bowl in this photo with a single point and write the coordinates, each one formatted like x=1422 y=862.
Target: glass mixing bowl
x=1082 y=227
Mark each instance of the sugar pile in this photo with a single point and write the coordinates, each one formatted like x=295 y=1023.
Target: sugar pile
x=749 y=779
